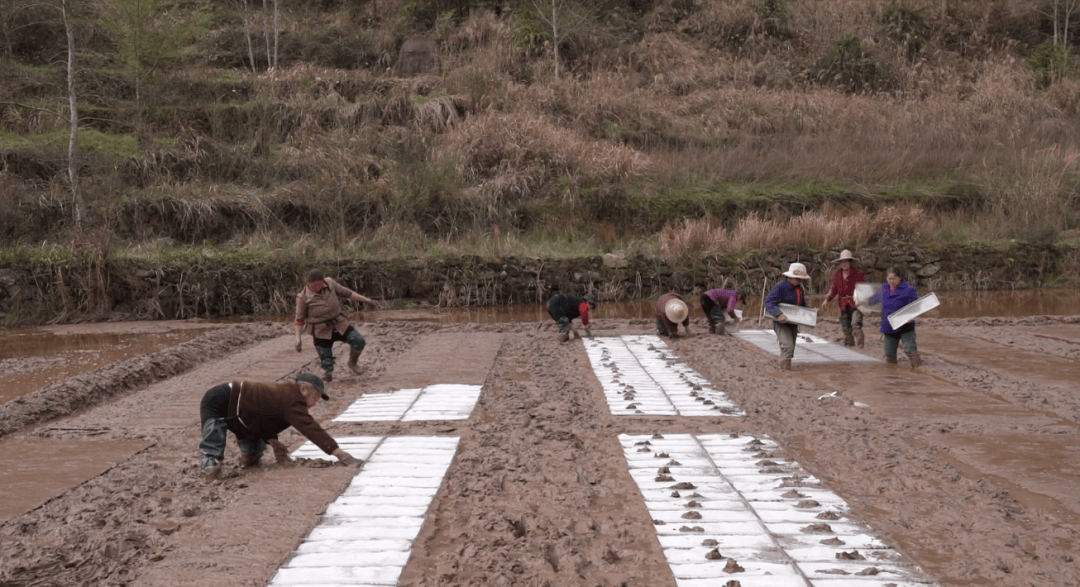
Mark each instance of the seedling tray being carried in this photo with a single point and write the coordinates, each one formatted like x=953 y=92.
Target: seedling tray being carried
x=916 y=308
x=799 y=315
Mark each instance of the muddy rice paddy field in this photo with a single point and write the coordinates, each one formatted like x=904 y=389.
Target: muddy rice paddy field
x=567 y=470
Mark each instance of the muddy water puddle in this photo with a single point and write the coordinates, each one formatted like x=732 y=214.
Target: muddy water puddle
x=35 y=471
x=32 y=358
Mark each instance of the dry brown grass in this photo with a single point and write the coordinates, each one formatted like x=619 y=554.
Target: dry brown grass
x=829 y=228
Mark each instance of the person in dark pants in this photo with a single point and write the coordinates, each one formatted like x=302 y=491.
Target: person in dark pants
x=318 y=312
x=788 y=291
x=671 y=310
x=718 y=304
x=843 y=288
x=256 y=413
x=563 y=309
x=895 y=294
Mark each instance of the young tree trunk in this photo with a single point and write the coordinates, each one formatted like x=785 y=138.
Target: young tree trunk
x=247 y=34
x=266 y=35
x=73 y=143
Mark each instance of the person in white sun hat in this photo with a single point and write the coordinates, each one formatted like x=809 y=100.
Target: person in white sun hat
x=671 y=310
x=843 y=288
x=789 y=291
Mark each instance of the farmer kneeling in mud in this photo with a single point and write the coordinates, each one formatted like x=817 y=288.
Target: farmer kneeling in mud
x=671 y=310
x=563 y=309
x=256 y=413
x=318 y=312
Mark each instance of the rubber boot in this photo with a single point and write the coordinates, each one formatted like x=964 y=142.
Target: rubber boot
x=328 y=376
x=849 y=339
x=860 y=339
x=564 y=336
x=915 y=359
x=250 y=459
x=721 y=328
x=785 y=364
x=354 y=355
x=212 y=473
x=890 y=360
x=712 y=329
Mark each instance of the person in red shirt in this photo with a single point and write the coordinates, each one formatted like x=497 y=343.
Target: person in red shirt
x=843 y=288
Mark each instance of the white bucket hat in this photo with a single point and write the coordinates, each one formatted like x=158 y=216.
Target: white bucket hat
x=845 y=255
x=676 y=311
x=798 y=271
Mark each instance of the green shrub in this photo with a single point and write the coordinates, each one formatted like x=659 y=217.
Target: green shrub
x=905 y=26
x=1050 y=62
x=849 y=65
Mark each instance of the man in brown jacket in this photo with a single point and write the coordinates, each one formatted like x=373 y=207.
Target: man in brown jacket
x=318 y=312
x=256 y=413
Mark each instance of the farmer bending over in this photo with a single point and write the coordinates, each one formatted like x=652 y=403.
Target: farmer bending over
x=256 y=413
x=563 y=309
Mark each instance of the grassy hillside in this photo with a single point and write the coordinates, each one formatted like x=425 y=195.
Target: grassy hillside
x=674 y=126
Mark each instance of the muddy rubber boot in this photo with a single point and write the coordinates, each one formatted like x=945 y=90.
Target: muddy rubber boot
x=915 y=359
x=212 y=473
x=354 y=356
x=712 y=329
x=250 y=459
x=721 y=329
x=860 y=339
x=563 y=337
x=328 y=376
x=785 y=364
x=890 y=360
x=849 y=339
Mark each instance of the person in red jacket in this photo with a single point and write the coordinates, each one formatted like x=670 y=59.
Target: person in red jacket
x=256 y=413
x=843 y=288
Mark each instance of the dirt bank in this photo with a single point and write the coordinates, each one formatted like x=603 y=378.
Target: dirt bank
x=959 y=464
x=35 y=291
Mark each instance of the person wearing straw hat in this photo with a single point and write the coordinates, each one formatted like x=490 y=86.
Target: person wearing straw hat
x=789 y=291
x=563 y=309
x=256 y=413
x=671 y=310
x=896 y=293
x=718 y=304
x=843 y=288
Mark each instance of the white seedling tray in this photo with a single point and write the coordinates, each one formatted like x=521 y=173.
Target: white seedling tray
x=799 y=315
x=863 y=292
x=914 y=309
x=738 y=314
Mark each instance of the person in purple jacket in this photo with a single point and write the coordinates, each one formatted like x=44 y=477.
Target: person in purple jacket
x=716 y=303
x=895 y=294
x=788 y=291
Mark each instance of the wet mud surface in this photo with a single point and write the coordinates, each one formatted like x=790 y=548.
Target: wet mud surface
x=967 y=465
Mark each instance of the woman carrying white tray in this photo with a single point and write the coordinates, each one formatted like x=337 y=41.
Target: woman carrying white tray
x=895 y=294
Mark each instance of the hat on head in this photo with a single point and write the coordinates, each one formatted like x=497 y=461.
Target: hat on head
x=675 y=310
x=798 y=271
x=590 y=298
x=314 y=382
x=845 y=255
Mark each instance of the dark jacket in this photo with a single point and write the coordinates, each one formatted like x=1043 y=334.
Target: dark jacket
x=263 y=410
x=564 y=306
x=784 y=293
